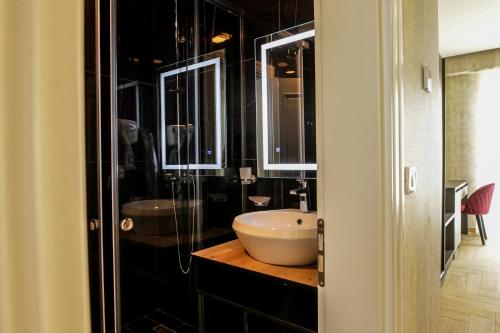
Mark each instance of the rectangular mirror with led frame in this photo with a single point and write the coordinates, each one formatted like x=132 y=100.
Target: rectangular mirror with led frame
x=285 y=91
x=192 y=114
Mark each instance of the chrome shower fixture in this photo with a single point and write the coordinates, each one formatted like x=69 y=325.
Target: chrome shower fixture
x=181 y=178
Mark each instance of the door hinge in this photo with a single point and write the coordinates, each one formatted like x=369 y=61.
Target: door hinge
x=321 y=252
x=94 y=224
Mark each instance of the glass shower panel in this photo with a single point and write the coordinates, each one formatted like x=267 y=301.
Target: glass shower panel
x=93 y=157
x=157 y=211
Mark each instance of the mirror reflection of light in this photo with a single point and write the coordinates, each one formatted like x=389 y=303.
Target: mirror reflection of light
x=221 y=38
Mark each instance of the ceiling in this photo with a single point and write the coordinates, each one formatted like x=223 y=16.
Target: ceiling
x=467 y=26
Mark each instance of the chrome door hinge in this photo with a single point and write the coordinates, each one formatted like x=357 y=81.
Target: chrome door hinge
x=321 y=252
x=94 y=224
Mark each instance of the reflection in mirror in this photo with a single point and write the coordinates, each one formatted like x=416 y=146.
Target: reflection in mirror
x=192 y=112
x=128 y=124
x=129 y=101
x=286 y=106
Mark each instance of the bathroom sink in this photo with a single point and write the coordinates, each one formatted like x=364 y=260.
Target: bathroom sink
x=279 y=237
x=156 y=217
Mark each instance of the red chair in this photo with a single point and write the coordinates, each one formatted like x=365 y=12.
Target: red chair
x=479 y=204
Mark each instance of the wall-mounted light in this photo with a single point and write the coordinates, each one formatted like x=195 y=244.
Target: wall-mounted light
x=221 y=38
x=282 y=64
x=290 y=72
x=157 y=61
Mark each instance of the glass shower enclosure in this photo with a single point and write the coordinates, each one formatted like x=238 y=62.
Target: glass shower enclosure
x=171 y=115
x=156 y=117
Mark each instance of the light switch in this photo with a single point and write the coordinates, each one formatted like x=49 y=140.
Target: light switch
x=410 y=179
x=427 y=77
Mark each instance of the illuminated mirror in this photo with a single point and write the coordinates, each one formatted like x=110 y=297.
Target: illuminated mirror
x=192 y=114
x=286 y=117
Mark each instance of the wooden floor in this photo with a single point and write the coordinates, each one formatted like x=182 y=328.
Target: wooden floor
x=470 y=295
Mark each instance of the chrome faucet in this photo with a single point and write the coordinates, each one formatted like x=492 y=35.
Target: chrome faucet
x=302 y=191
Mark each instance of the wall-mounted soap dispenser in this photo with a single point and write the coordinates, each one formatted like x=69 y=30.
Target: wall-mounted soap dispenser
x=246 y=176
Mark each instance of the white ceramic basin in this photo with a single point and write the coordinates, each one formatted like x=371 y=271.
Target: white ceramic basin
x=279 y=237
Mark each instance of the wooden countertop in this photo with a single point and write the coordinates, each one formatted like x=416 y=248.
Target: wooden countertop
x=232 y=253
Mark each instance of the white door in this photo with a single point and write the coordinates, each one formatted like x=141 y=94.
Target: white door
x=355 y=168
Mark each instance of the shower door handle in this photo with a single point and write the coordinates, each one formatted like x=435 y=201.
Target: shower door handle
x=127 y=224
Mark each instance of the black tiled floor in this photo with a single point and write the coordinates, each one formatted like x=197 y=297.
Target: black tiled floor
x=157 y=322
x=164 y=319
x=186 y=329
x=163 y=329
x=141 y=325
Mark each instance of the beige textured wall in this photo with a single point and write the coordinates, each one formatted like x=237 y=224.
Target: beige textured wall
x=461 y=93
x=460 y=129
x=472 y=116
x=423 y=149
x=43 y=260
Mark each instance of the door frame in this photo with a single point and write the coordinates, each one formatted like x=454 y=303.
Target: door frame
x=390 y=131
